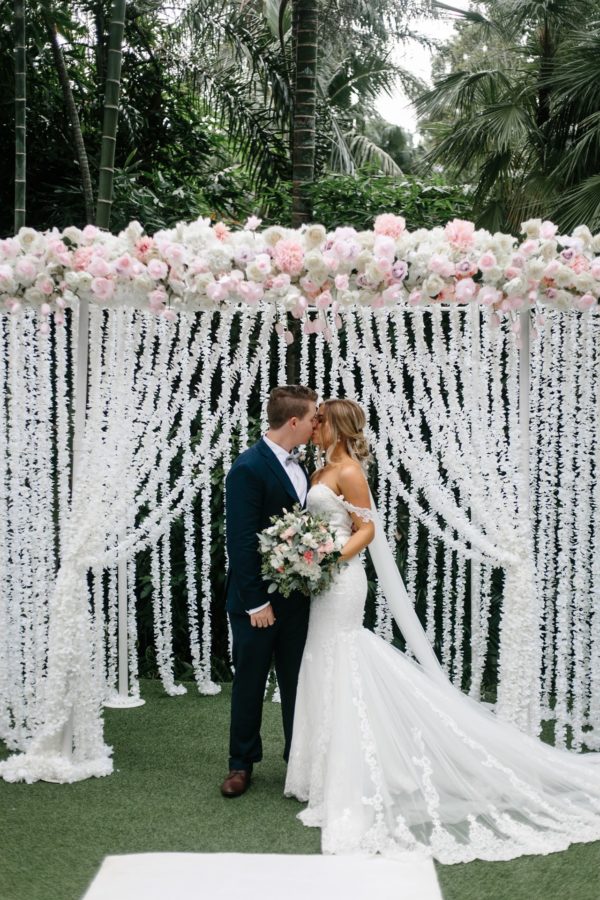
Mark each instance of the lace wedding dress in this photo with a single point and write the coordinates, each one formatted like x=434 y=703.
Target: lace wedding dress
x=392 y=758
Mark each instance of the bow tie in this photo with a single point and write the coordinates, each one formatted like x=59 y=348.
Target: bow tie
x=293 y=456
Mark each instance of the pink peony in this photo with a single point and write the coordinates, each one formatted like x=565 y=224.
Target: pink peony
x=143 y=246
x=221 y=231
x=81 y=258
x=460 y=234
x=390 y=225
x=580 y=264
x=103 y=288
x=289 y=256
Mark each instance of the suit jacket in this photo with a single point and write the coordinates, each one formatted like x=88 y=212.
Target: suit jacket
x=257 y=488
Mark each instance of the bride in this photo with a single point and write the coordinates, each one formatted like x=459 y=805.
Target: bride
x=388 y=754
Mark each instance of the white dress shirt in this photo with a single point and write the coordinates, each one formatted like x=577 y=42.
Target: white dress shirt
x=295 y=473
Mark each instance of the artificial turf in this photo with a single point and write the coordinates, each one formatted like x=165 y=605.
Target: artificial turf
x=170 y=757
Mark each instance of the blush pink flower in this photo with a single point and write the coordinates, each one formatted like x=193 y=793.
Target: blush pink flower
x=441 y=265
x=460 y=234
x=580 y=264
x=252 y=223
x=90 y=233
x=595 y=268
x=487 y=261
x=103 y=288
x=324 y=300
x=143 y=246
x=98 y=267
x=289 y=256
x=157 y=269
x=548 y=230
x=45 y=285
x=81 y=258
x=221 y=231
x=26 y=268
x=465 y=290
x=585 y=302
x=390 y=225
x=124 y=264
x=341 y=282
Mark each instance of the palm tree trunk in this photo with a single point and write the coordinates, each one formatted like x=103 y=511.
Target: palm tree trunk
x=305 y=102
x=111 y=113
x=63 y=77
x=20 y=113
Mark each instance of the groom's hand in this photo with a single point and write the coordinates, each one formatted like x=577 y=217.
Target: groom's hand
x=263 y=618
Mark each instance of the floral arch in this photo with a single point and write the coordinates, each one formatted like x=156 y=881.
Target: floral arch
x=475 y=355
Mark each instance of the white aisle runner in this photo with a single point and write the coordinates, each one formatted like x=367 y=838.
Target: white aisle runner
x=221 y=876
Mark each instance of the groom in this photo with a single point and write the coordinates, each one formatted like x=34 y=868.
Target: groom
x=263 y=481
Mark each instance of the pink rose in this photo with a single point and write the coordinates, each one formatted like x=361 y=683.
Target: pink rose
x=103 y=288
x=308 y=557
x=390 y=225
x=460 y=234
x=324 y=300
x=530 y=246
x=585 y=302
x=26 y=268
x=157 y=269
x=384 y=247
x=465 y=290
x=90 y=233
x=98 y=267
x=45 y=285
x=487 y=261
x=81 y=258
x=124 y=264
x=441 y=265
x=341 y=282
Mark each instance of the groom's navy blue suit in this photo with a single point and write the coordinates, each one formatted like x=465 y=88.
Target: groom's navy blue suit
x=257 y=489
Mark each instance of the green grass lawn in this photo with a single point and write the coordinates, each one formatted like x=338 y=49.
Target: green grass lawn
x=170 y=757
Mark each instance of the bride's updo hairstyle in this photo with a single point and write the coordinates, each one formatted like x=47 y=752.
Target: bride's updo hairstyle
x=347 y=421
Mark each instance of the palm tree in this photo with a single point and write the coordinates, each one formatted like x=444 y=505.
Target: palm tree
x=522 y=125
x=303 y=137
x=20 y=114
x=111 y=113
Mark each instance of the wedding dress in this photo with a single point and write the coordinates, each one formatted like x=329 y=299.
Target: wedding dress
x=392 y=758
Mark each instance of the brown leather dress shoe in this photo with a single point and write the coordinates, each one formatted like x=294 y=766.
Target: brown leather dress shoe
x=236 y=783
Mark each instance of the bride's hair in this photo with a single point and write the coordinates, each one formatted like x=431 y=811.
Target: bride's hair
x=347 y=420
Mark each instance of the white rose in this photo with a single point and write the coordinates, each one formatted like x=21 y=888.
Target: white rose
x=532 y=228
x=314 y=236
x=254 y=273
x=272 y=235
x=433 y=285
x=72 y=234
x=536 y=268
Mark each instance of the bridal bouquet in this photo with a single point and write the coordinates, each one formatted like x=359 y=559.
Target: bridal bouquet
x=300 y=552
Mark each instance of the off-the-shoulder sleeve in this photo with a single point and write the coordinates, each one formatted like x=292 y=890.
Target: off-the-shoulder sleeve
x=364 y=513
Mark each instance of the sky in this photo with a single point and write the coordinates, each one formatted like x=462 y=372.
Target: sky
x=417 y=59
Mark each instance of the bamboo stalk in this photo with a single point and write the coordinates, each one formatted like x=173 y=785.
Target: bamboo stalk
x=20 y=114
x=111 y=113
x=82 y=158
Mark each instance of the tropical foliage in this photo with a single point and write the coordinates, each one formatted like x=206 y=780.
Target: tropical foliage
x=515 y=111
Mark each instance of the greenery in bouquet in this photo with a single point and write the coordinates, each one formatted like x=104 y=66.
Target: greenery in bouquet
x=300 y=552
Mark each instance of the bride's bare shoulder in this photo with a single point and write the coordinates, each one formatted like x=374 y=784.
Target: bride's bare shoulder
x=351 y=478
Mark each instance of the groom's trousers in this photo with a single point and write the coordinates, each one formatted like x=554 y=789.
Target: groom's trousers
x=254 y=649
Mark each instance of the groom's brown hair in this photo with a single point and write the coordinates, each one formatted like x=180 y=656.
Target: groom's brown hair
x=288 y=401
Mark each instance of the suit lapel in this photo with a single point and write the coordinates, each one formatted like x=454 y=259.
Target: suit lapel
x=278 y=470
